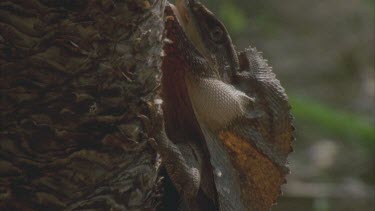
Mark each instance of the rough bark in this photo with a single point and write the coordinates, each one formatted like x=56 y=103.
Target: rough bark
x=75 y=75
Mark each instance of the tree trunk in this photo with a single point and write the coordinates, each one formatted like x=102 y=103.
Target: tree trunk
x=75 y=76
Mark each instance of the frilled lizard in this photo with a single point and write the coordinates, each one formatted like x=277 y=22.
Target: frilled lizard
x=228 y=129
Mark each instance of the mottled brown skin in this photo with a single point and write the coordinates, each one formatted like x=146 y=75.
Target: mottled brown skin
x=227 y=118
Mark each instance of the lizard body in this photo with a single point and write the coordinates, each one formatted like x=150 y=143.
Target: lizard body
x=184 y=157
x=228 y=127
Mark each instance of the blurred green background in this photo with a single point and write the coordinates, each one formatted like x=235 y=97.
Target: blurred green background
x=323 y=53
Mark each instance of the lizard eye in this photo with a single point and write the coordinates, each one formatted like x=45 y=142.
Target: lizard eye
x=217 y=34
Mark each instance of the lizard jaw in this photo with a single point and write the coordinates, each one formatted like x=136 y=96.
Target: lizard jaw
x=183 y=10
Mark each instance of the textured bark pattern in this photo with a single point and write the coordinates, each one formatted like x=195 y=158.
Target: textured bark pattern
x=74 y=77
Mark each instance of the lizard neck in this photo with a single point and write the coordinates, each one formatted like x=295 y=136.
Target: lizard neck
x=179 y=115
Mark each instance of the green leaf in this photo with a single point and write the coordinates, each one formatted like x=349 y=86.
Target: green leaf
x=343 y=124
x=233 y=16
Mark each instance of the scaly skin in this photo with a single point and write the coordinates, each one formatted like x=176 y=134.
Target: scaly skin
x=228 y=122
x=185 y=158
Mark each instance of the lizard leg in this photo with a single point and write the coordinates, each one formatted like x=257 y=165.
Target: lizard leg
x=178 y=160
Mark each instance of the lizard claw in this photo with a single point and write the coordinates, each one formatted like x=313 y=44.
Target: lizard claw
x=156 y=120
x=154 y=124
x=146 y=122
x=153 y=143
x=157 y=117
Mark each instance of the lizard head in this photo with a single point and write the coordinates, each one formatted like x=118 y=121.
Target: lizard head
x=209 y=35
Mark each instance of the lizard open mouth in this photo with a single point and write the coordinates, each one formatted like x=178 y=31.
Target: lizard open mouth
x=183 y=9
x=208 y=35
